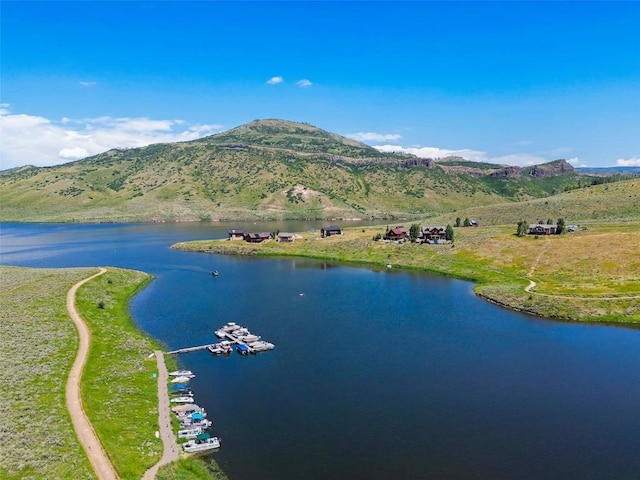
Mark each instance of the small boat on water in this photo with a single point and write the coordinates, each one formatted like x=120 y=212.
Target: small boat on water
x=182 y=379
x=215 y=273
x=181 y=373
x=191 y=432
x=192 y=423
x=242 y=349
x=260 y=346
x=182 y=393
x=202 y=443
x=184 y=399
x=179 y=386
x=223 y=347
x=187 y=409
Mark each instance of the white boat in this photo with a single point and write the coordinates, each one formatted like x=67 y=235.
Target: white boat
x=202 y=443
x=260 y=346
x=187 y=408
x=182 y=400
x=183 y=379
x=249 y=338
x=220 y=348
x=220 y=333
x=191 y=423
x=191 y=432
x=181 y=373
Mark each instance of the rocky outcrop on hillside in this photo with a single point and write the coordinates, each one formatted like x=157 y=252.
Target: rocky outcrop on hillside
x=506 y=172
x=551 y=169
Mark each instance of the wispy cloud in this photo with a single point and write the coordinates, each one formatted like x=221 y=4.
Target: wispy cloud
x=374 y=137
x=436 y=152
x=87 y=84
x=304 y=83
x=628 y=162
x=275 y=80
x=39 y=141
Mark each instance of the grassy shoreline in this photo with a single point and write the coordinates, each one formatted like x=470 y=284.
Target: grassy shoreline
x=590 y=276
x=118 y=388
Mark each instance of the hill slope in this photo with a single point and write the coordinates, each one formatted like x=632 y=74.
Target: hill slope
x=266 y=169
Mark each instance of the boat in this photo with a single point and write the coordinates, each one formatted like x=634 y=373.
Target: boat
x=202 y=443
x=187 y=408
x=249 y=338
x=228 y=328
x=179 y=386
x=242 y=349
x=181 y=373
x=182 y=393
x=191 y=432
x=184 y=399
x=260 y=346
x=223 y=347
x=181 y=379
x=191 y=422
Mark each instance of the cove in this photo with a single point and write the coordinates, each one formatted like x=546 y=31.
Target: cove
x=376 y=374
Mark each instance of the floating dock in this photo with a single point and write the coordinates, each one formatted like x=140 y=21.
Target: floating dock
x=224 y=335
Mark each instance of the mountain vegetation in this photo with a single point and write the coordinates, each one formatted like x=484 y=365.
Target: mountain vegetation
x=268 y=170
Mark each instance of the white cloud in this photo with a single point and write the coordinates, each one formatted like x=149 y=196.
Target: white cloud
x=87 y=84
x=73 y=153
x=628 y=162
x=374 y=137
x=275 y=80
x=436 y=152
x=304 y=83
x=520 y=159
x=39 y=141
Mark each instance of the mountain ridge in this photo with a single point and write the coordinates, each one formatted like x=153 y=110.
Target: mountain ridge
x=265 y=169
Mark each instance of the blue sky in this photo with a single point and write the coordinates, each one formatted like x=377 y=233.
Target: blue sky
x=506 y=82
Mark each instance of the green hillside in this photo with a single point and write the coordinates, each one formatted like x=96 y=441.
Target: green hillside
x=266 y=169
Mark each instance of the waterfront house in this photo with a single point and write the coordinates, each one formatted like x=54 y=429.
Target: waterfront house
x=237 y=234
x=331 y=230
x=286 y=237
x=396 y=233
x=542 y=229
x=433 y=234
x=257 y=237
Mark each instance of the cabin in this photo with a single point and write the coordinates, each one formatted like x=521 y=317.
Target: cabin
x=329 y=231
x=433 y=234
x=236 y=234
x=542 y=229
x=286 y=237
x=257 y=237
x=396 y=233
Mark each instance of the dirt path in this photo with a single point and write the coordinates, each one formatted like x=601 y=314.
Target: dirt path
x=171 y=451
x=99 y=460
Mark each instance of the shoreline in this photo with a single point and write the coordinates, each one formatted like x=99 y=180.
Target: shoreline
x=499 y=264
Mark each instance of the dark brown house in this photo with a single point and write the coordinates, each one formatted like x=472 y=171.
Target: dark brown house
x=396 y=233
x=257 y=237
x=433 y=234
x=542 y=229
x=332 y=230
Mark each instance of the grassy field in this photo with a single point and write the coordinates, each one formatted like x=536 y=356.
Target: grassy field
x=39 y=344
x=588 y=275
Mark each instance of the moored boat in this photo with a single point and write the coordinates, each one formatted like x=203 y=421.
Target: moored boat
x=202 y=443
x=183 y=379
x=181 y=373
x=184 y=399
x=260 y=346
x=191 y=432
x=242 y=349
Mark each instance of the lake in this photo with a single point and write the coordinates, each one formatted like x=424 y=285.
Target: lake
x=376 y=374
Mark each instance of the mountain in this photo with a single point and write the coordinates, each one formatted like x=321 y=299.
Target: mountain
x=267 y=169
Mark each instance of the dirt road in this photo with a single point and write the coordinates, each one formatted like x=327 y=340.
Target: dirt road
x=87 y=437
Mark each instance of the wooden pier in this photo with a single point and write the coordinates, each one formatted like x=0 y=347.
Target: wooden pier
x=228 y=336
x=191 y=349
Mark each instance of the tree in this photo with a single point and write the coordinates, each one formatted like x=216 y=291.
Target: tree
x=467 y=222
x=458 y=222
x=560 y=227
x=523 y=226
x=448 y=233
x=549 y=221
x=414 y=231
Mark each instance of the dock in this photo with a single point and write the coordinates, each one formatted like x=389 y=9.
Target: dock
x=190 y=349
x=222 y=334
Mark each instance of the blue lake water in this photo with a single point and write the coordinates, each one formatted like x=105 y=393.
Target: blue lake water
x=376 y=374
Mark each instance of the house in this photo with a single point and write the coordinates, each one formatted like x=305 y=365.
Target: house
x=433 y=235
x=286 y=237
x=542 y=229
x=257 y=237
x=396 y=233
x=237 y=234
x=332 y=230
